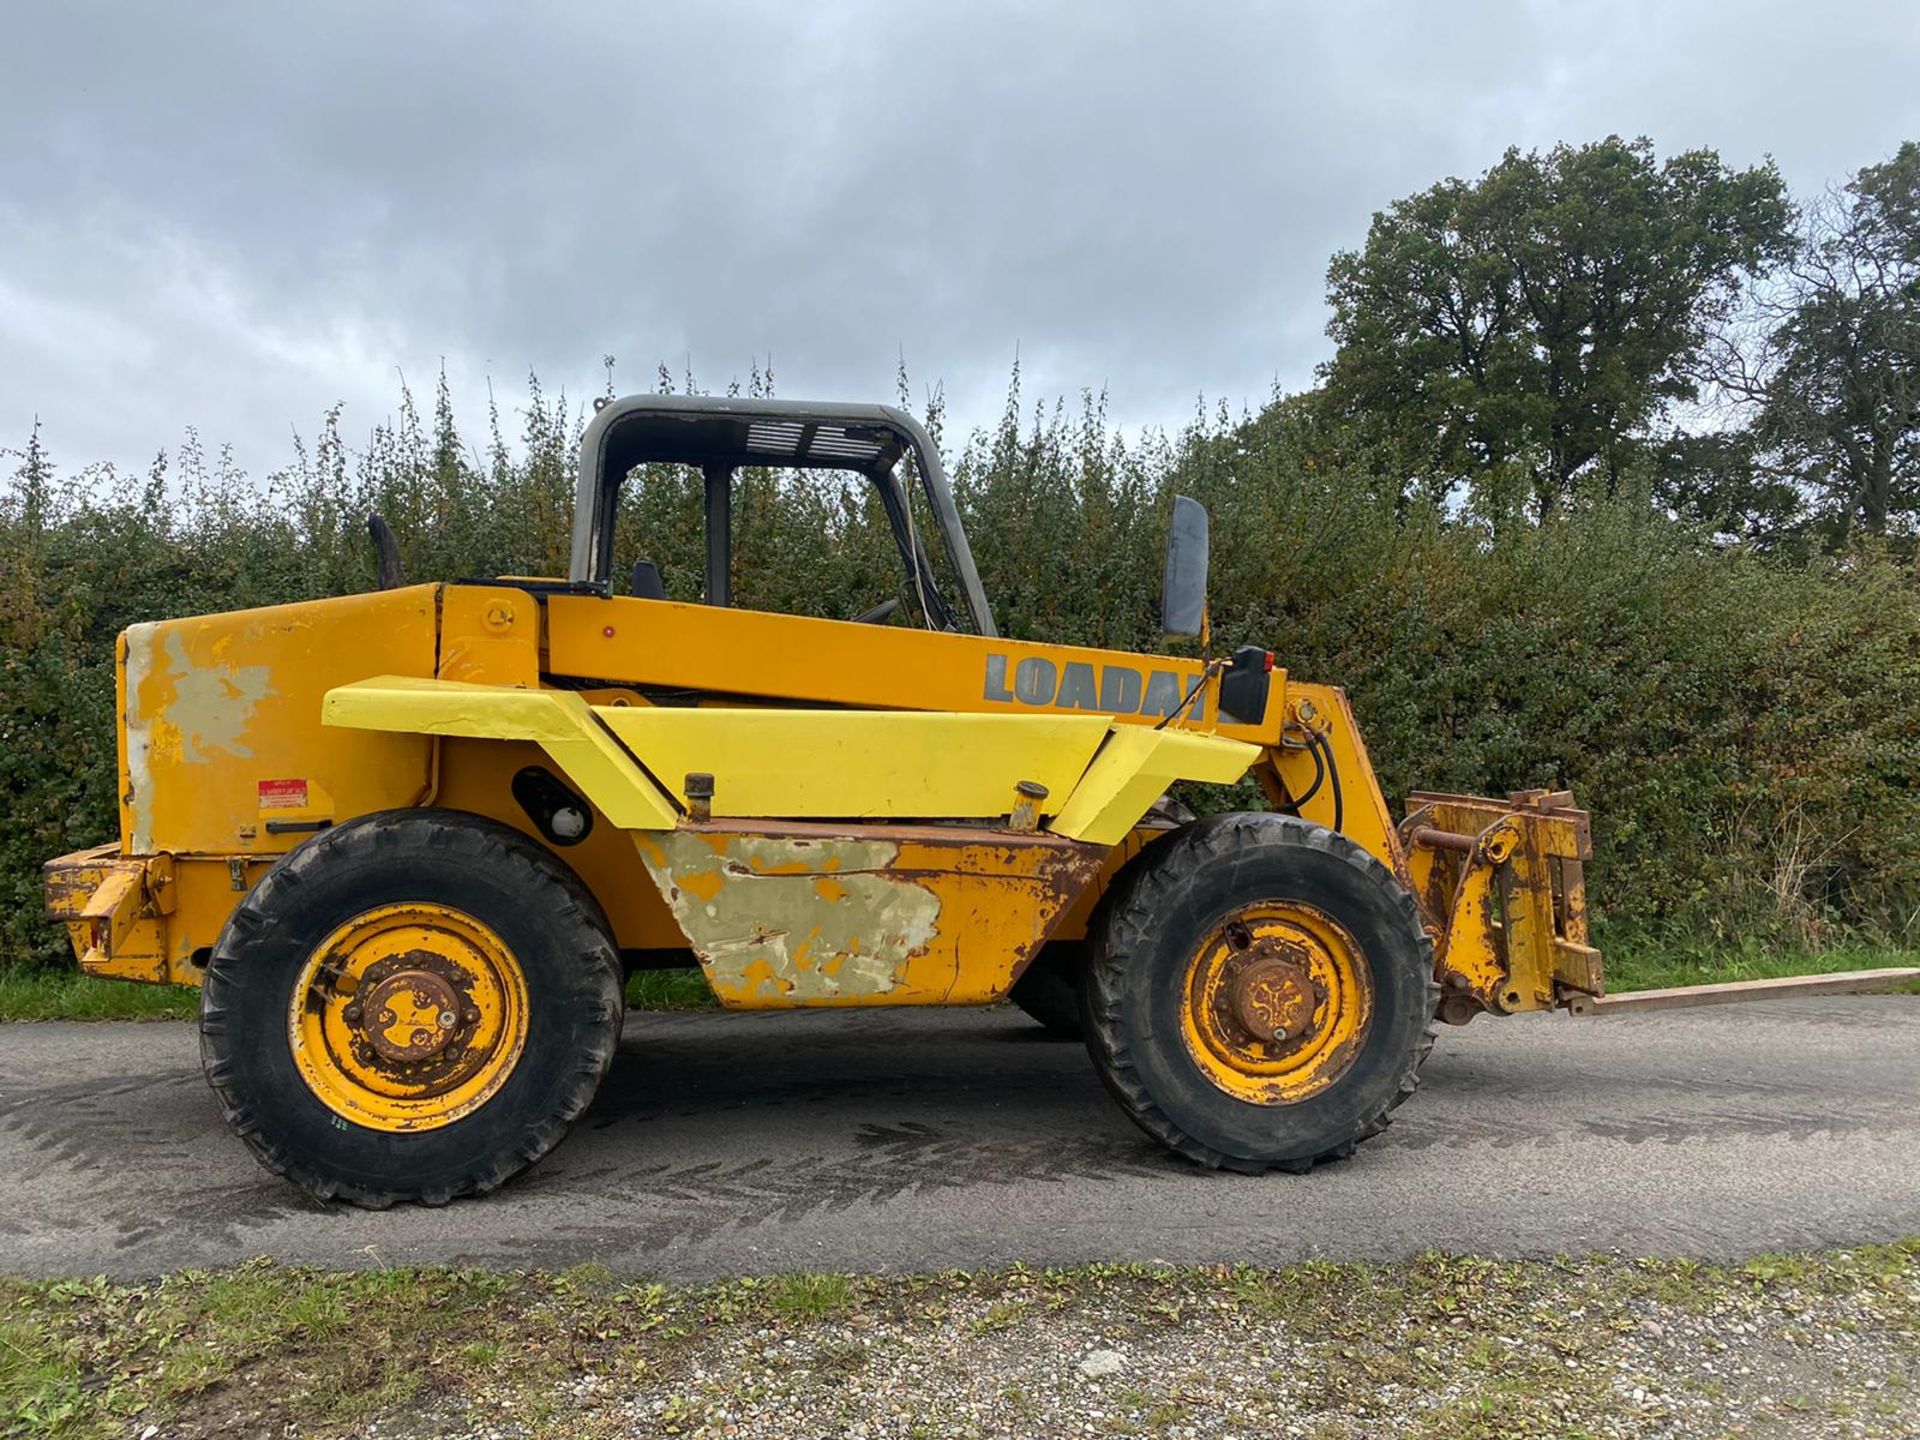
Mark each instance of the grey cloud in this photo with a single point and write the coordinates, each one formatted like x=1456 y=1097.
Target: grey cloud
x=232 y=215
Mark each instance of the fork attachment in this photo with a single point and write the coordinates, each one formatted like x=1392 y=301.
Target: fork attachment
x=1503 y=887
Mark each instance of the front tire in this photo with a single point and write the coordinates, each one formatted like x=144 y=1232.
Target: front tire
x=415 y=1005
x=1260 y=993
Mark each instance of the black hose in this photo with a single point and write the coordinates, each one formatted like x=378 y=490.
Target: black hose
x=1319 y=774
x=1325 y=749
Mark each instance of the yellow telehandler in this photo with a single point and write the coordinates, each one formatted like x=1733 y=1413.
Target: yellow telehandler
x=410 y=842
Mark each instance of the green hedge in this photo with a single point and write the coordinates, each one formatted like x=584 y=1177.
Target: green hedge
x=1746 y=733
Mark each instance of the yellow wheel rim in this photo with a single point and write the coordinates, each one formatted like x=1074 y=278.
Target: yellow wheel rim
x=408 y=1017
x=1277 y=1003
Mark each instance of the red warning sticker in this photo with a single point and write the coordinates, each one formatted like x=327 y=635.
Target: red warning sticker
x=283 y=794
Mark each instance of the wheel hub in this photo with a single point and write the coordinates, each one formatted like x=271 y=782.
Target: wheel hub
x=1270 y=997
x=1278 y=1002
x=409 y=1017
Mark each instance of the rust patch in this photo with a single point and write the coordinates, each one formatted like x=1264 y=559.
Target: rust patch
x=412 y=1020
x=1504 y=890
x=109 y=914
x=800 y=914
x=412 y=1015
x=767 y=921
x=68 y=883
x=1271 y=1000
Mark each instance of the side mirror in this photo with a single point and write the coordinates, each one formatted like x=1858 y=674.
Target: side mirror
x=1183 y=588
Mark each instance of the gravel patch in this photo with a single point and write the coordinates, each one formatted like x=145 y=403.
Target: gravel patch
x=1442 y=1346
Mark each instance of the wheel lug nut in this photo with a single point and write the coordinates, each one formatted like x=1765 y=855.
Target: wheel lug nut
x=472 y=1017
x=351 y=1014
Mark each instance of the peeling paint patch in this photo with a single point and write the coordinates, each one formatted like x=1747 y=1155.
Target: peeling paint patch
x=212 y=703
x=767 y=922
x=139 y=740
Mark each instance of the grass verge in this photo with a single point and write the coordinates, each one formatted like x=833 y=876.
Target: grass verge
x=1442 y=1346
x=71 y=995
x=1641 y=965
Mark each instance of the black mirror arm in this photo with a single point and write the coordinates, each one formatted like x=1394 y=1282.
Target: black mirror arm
x=387 y=550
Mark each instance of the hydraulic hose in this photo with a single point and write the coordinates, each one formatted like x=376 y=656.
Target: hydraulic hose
x=1319 y=776
x=1323 y=751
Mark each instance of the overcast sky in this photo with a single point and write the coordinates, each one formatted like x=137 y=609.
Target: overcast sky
x=232 y=216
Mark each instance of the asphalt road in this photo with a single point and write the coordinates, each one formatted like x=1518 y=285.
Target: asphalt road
x=915 y=1141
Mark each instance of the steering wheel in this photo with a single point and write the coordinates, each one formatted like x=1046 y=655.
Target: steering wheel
x=879 y=614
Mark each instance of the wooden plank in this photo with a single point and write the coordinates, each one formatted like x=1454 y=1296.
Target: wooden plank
x=1680 y=997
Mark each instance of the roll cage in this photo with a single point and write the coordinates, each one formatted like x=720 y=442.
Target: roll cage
x=719 y=434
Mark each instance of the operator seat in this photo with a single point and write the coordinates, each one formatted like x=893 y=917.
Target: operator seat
x=645 y=582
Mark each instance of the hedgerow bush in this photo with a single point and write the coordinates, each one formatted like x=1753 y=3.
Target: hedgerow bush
x=1746 y=732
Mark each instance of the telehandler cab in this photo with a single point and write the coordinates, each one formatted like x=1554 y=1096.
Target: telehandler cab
x=408 y=843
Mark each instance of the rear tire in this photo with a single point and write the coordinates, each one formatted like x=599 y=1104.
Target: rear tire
x=1259 y=994
x=489 y=1008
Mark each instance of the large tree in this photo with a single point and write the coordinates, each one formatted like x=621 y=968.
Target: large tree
x=1835 y=376
x=1523 y=331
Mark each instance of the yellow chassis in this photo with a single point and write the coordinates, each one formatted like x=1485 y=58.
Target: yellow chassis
x=822 y=812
